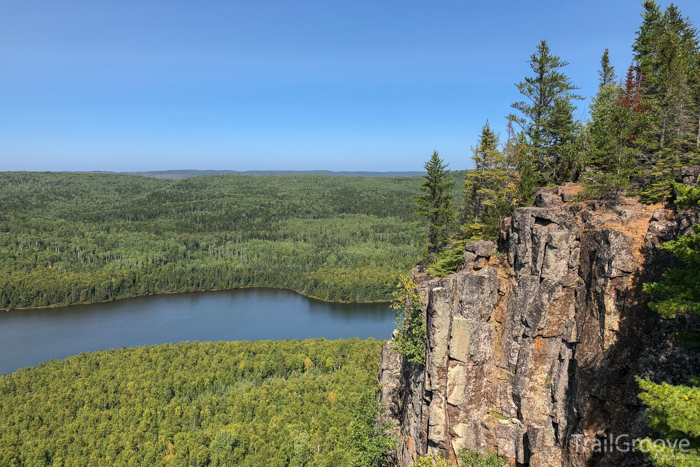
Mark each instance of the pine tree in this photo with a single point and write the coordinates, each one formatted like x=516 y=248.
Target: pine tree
x=566 y=141
x=485 y=157
x=547 y=115
x=488 y=190
x=607 y=71
x=645 y=45
x=602 y=109
x=436 y=204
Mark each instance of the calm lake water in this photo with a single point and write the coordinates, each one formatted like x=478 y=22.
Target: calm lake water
x=29 y=337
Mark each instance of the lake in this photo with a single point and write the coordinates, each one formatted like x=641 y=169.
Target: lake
x=30 y=337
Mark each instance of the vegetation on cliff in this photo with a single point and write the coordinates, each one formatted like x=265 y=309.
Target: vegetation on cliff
x=82 y=238
x=284 y=403
x=466 y=458
x=410 y=327
x=435 y=204
x=640 y=133
x=674 y=410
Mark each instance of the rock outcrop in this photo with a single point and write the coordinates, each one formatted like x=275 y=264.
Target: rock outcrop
x=535 y=341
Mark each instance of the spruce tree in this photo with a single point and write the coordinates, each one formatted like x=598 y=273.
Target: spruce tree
x=488 y=191
x=607 y=71
x=602 y=106
x=668 y=60
x=527 y=178
x=645 y=45
x=436 y=203
x=602 y=136
x=547 y=114
x=616 y=121
x=669 y=70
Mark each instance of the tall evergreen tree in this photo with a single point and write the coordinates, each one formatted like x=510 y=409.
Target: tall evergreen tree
x=645 y=45
x=488 y=191
x=436 y=203
x=601 y=109
x=603 y=106
x=547 y=114
x=616 y=121
x=607 y=71
x=485 y=157
x=668 y=59
x=631 y=93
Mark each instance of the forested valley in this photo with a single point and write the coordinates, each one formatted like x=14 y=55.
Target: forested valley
x=82 y=238
x=192 y=404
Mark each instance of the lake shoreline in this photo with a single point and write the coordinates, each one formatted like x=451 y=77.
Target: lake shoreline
x=8 y=310
x=31 y=336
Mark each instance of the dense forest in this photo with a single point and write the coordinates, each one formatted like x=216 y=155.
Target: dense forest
x=192 y=404
x=72 y=238
x=79 y=238
x=198 y=173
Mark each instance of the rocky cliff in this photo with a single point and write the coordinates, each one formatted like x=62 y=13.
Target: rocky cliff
x=534 y=343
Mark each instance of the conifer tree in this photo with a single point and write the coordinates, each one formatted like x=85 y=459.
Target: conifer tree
x=602 y=107
x=666 y=52
x=527 y=178
x=547 y=114
x=607 y=71
x=436 y=203
x=631 y=93
x=488 y=191
x=614 y=128
x=668 y=60
x=509 y=148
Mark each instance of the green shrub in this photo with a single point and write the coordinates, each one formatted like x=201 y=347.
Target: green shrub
x=447 y=261
x=477 y=459
x=410 y=340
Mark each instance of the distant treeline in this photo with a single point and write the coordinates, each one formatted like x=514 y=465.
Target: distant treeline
x=83 y=237
x=176 y=174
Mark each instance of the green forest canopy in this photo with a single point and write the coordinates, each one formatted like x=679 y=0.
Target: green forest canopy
x=82 y=237
x=191 y=404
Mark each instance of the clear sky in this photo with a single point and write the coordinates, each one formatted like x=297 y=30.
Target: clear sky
x=245 y=85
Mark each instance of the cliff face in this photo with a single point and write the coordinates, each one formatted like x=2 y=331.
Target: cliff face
x=535 y=341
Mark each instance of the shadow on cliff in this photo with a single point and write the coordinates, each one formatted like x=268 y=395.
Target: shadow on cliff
x=603 y=393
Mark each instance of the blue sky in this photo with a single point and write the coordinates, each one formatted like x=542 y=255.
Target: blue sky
x=362 y=85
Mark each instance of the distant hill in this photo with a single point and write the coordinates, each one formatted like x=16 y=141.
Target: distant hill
x=197 y=173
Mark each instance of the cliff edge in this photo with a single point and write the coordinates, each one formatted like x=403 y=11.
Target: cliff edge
x=534 y=343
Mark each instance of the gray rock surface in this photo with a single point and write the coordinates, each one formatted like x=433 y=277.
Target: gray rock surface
x=541 y=341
